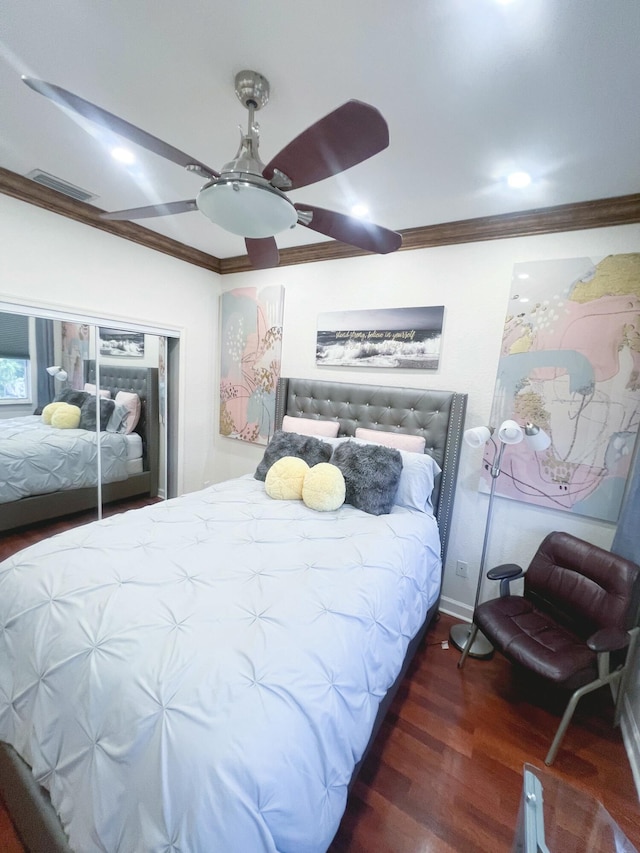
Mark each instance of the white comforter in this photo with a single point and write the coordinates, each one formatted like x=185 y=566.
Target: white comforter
x=36 y=458
x=202 y=675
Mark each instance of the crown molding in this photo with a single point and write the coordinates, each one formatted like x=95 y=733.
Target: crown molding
x=27 y=190
x=600 y=213
x=621 y=210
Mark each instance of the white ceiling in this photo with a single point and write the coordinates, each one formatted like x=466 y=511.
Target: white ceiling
x=471 y=90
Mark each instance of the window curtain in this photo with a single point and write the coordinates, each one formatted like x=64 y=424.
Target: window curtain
x=14 y=336
x=45 y=391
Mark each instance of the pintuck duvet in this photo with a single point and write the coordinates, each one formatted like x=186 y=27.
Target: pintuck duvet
x=202 y=675
x=36 y=458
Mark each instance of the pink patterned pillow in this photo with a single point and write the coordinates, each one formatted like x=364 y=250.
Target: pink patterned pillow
x=310 y=426
x=399 y=440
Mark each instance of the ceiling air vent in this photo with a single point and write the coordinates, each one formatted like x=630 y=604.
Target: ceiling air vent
x=60 y=186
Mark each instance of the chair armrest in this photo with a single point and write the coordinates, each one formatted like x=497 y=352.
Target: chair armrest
x=608 y=640
x=505 y=573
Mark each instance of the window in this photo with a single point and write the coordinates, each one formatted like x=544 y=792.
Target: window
x=15 y=363
x=15 y=375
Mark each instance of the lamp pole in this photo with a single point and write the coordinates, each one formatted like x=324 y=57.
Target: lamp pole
x=459 y=634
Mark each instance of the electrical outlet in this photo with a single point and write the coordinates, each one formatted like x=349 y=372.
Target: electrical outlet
x=462 y=569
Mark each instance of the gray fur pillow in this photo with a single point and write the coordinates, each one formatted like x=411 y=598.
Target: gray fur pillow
x=88 y=413
x=371 y=475
x=306 y=447
x=71 y=396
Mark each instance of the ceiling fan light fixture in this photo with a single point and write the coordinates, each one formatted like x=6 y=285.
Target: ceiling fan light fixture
x=247 y=208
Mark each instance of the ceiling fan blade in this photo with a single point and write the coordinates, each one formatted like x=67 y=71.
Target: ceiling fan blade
x=356 y=232
x=347 y=136
x=263 y=253
x=63 y=98
x=153 y=210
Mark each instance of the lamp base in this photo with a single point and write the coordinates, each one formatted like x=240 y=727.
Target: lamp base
x=481 y=647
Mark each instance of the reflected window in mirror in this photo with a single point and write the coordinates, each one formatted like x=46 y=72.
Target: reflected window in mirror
x=15 y=359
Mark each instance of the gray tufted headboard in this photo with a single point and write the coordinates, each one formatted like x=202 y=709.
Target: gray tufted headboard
x=436 y=415
x=144 y=382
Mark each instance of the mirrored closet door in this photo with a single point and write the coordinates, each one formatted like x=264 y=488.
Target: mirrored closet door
x=83 y=419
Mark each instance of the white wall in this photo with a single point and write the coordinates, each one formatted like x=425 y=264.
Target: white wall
x=49 y=261
x=472 y=281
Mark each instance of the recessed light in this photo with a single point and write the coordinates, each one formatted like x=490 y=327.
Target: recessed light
x=519 y=180
x=123 y=155
x=361 y=211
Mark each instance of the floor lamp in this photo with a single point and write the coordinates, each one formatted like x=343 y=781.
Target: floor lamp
x=509 y=433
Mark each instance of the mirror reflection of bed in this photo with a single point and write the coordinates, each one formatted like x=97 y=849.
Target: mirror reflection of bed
x=49 y=471
x=234 y=654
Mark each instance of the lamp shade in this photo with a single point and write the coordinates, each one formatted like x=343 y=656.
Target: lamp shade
x=247 y=208
x=537 y=438
x=477 y=436
x=510 y=432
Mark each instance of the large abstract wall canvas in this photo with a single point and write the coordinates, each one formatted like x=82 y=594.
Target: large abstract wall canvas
x=251 y=342
x=570 y=363
x=383 y=337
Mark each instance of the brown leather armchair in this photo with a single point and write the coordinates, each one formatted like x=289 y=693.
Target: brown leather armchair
x=574 y=623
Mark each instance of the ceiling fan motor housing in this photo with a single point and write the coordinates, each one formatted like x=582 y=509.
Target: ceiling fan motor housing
x=247 y=205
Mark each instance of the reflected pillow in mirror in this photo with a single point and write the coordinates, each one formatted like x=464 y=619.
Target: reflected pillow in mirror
x=91 y=389
x=72 y=396
x=88 y=413
x=131 y=402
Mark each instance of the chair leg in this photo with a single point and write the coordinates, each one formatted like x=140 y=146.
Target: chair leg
x=618 y=695
x=469 y=643
x=575 y=698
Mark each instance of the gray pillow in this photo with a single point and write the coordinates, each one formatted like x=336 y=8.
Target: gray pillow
x=371 y=475
x=306 y=447
x=71 y=396
x=118 y=420
x=88 y=413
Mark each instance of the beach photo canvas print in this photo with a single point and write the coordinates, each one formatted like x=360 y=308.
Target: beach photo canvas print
x=384 y=337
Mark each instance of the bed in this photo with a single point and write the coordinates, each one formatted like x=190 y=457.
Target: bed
x=239 y=652
x=46 y=473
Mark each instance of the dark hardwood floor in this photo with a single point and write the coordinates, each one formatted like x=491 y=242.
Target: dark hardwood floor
x=445 y=774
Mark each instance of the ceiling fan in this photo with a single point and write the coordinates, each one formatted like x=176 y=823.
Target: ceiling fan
x=248 y=198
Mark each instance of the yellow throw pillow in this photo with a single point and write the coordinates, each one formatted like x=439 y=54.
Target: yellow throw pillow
x=47 y=412
x=285 y=478
x=324 y=487
x=66 y=416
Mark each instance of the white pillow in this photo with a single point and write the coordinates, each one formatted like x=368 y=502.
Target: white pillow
x=131 y=402
x=418 y=477
x=310 y=426
x=399 y=440
x=419 y=473
x=91 y=389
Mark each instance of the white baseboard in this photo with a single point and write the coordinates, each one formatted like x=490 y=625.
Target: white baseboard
x=456 y=608
x=631 y=738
